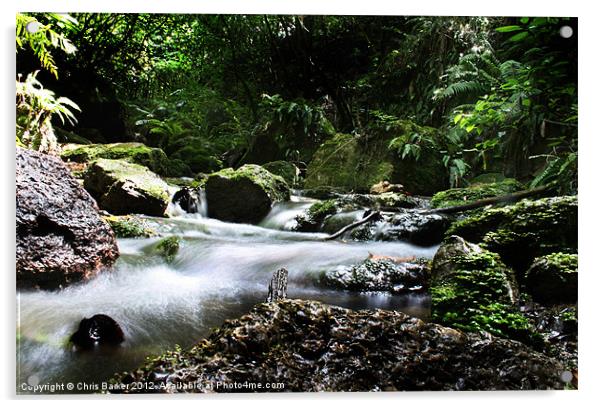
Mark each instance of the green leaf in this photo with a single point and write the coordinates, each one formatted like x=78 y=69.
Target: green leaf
x=524 y=20
x=520 y=36
x=508 y=29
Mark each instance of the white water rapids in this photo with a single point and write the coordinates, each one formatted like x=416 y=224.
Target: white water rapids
x=220 y=272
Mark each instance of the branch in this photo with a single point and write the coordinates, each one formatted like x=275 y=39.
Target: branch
x=372 y=216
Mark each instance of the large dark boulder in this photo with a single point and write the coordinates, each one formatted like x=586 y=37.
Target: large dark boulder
x=244 y=195
x=552 y=279
x=60 y=236
x=126 y=188
x=310 y=346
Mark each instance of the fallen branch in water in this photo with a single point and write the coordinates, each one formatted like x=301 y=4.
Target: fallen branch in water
x=488 y=201
x=372 y=216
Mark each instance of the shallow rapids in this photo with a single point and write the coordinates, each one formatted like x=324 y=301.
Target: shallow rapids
x=220 y=272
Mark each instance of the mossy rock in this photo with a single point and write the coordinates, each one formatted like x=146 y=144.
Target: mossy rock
x=356 y=164
x=198 y=159
x=313 y=218
x=473 y=290
x=137 y=153
x=244 y=195
x=523 y=231
x=123 y=188
x=287 y=170
x=129 y=227
x=168 y=248
x=552 y=279
x=461 y=196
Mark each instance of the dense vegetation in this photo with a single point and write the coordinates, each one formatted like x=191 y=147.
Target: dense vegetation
x=472 y=95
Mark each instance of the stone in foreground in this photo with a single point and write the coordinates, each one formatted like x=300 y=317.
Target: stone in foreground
x=61 y=238
x=310 y=346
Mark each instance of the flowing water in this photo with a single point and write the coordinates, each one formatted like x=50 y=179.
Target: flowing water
x=220 y=272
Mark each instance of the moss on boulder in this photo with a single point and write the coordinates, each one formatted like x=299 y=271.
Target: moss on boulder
x=552 y=279
x=137 y=153
x=128 y=226
x=168 y=248
x=473 y=290
x=460 y=196
x=244 y=195
x=356 y=164
x=523 y=231
x=313 y=218
x=287 y=170
x=123 y=188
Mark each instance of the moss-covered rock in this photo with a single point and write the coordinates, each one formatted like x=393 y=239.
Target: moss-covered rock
x=461 y=196
x=310 y=346
x=123 y=188
x=244 y=195
x=128 y=226
x=377 y=275
x=523 y=231
x=352 y=163
x=473 y=290
x=287 y=170
x=552 y=279
x=137 y=153
x=168 y=248
x=313 y=218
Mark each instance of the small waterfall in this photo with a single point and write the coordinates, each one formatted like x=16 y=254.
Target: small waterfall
x=175 y=210
x=282 y=216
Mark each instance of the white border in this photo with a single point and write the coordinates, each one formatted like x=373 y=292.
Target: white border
x=590 y=147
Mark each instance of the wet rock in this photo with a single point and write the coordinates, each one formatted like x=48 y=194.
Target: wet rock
x=461 y=196
x=552 y=279
x=125 y=188
x=313 y=218
x=188 y=199
x=168 y=248
x=60 y=236
x=244 y=195
x=412 y=226
x=130 y=226
x=378 y=275
x=524 y=231
x=98 y=330
x=309 y=346
x=137 y=153
x=472 y=290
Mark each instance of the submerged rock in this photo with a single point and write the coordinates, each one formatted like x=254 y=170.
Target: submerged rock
x=472 y=290
x=125 y=188
x=244 y=195
x=310 y=346
x=312 y=219
x=98 y=330
x=168 y=248
x=461 y=196
x=552 y=279
x=61 y=238
x=524 y=231
x=378 y=275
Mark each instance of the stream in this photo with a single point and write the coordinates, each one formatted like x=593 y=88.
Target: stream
x=220 y=272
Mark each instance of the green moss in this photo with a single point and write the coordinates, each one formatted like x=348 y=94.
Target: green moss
x=480 y=295
x=460 y=196
x=137 y=153
x=553 y=278
x=168 y=248
x=273 y=185
x=314 y=216
x=356 y=163
x=523 y=231
x=129 y=227
x=288 y=171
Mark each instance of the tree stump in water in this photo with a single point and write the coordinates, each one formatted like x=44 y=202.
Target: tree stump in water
x=278 y=285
